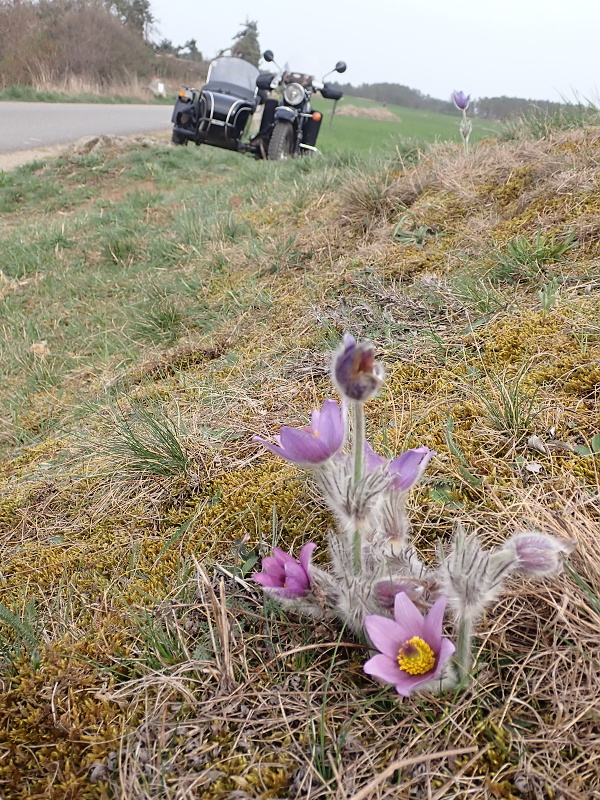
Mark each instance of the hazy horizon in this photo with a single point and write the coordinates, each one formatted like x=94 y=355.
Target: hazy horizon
x=532 y=50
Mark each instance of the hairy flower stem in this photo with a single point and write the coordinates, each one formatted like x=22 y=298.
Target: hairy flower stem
x=463 y=658
x=359 y=447
x=465 y=130
x=359 y=440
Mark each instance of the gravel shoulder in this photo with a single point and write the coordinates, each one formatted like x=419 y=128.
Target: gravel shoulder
x=16 y=158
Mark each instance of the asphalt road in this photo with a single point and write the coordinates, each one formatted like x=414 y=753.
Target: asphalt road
x=24 y=126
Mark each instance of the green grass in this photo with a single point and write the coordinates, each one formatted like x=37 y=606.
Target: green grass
x=27 y=94
x=358 y=133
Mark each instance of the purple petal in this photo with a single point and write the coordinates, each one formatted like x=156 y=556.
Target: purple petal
x=408 y=468
x=330 y=426
x=408 y=683
x=295 y=571
x=267 y=580
x=461 y=100
x=299 y=588
x=386 y=635
x=306 y=554
x=301 y=446
x=384 y=668
x=432 y=626
x=354 y=371
x=408 y=616
x=281 y=557
x=273 y=567
x=274 y=448
x=447 y=649
x=372 y=460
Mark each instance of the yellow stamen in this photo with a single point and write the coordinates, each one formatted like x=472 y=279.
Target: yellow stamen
x=416 y=657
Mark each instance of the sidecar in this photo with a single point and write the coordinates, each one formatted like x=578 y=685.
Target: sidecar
x=219 y=113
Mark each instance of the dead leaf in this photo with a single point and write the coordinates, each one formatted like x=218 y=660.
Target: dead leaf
x=40 y=348
x=535 y=443
x=534 y=467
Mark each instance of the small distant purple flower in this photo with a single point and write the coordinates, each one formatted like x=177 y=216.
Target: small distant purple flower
x=406 y=469
x=355 y=372
x=538 y=554
x=412 y=649
x=283 y=575
x=461 y=101
x=316 y=442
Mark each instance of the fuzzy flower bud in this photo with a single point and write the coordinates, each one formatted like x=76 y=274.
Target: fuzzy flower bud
x=356 y=374
x=386 y=592
x=465 y=128
x=538 y=554
x=471 y=577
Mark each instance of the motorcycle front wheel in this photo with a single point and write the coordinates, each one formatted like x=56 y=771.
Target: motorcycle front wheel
x=281 y=144
x=177 y=138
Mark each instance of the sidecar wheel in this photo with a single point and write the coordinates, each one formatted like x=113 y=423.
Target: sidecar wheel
x=281 y=144
x=177 y=138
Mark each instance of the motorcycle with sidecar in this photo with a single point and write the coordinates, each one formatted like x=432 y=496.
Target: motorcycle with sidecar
x=295 y=126
x=220 y=113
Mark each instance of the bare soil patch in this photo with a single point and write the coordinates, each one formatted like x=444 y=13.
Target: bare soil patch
x=377 y=112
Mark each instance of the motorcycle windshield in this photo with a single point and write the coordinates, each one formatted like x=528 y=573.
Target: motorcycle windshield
x=228 y=74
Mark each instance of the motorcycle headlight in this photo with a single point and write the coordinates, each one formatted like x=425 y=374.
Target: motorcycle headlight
x=293 y=94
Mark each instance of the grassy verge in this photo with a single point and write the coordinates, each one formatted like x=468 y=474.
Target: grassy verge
x=161 y=306
x=29 y=94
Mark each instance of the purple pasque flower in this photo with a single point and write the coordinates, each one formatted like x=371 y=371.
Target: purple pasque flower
x=538 y=554
x=461 y=100
x=313 y=444
x=355 y=372
x=405 y=469
x=283 y=575
x=412 y=649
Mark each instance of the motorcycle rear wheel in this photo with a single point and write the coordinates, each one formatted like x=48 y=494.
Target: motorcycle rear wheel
x=281 y=144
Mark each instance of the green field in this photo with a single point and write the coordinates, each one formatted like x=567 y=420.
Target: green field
x=349 y=133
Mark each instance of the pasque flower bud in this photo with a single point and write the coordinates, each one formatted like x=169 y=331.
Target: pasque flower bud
x=356 y=374
x=461 y=100
x=538 y=554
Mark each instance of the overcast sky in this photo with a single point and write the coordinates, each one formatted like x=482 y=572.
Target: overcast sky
x=537 y=49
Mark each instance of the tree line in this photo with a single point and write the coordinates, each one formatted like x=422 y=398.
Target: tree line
x=498 y=108
x=104 y=42
x=53 y=40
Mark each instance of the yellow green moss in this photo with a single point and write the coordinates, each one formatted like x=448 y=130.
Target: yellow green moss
x=504 y=192
x=54 y=724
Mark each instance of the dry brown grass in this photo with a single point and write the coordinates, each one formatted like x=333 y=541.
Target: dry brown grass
x=267 y=716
